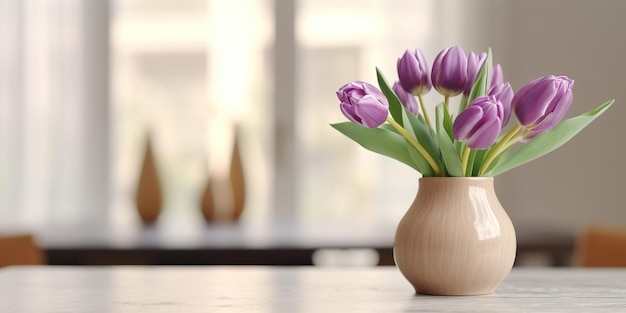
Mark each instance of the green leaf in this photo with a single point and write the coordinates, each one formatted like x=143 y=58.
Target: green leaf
x=550 y=140
x=447 y=123
x=463 y=103
x=425 y=135
x=424 y=168
x=500 y=158
x=477 y=157
x=378 y=140
x=417 y=157
x=395 y=106
x=448 y=153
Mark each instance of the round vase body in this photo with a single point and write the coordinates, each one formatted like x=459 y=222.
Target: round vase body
x=455 y=239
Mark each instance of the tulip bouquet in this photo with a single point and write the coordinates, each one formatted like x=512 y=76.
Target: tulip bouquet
x=478 y=140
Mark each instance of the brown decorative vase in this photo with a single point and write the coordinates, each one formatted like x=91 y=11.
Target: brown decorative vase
x=455 y=239
x=237 y=180
x=149 y=195
x=207 y=203
x=224 y=196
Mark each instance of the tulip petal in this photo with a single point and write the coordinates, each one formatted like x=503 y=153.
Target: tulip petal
x=497 y=77
x=485 y=135
x=407 y=99
x=535 y=103
x=553 y=118
x=349 y=111
x=466 y=121
x=371 y=113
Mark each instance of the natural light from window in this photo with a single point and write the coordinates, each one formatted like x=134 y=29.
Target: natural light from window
x=186 y=74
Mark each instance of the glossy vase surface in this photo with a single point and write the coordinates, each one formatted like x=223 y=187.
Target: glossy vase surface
x=456 y=238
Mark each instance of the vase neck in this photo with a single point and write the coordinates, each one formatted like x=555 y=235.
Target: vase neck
x=459 y=182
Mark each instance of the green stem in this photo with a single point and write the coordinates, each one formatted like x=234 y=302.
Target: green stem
x=507 y=141
x=416 y=144
x=511 y=133
x=446 y=99
x=465 y=157
x=513 y=141
x=424 y=112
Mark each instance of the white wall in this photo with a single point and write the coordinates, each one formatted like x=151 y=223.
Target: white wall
x=582 y=182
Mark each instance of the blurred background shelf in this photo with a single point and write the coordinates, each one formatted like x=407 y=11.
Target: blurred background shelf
x=242 y=244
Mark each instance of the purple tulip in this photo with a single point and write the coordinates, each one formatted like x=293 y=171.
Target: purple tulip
x=449 y=75
x=480 y=123
x=413 y=73
x=542 y=103
x=504 y=94
x=497 y=78
x=474 y=62
x=407 y=99
x=364 y=104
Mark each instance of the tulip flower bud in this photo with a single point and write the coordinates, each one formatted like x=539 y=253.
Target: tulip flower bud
x=504 y=94
x=413 y=73
x=542 y=103
x=474 y=62
x=364 y=104
x=480 y=123
x=449 y=75
x=407 y=99
x=497 y=78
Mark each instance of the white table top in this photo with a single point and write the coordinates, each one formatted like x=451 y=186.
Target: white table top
x=294 y=289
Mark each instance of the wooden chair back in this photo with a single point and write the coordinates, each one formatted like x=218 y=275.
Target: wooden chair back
x=601 y=247
x=20 y=250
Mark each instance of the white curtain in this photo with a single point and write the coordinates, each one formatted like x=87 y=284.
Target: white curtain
x=53 y=112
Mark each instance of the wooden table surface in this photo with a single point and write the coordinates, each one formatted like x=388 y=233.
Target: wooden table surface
x=294 y=289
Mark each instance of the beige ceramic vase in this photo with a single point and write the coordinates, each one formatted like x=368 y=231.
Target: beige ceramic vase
x=455 y=239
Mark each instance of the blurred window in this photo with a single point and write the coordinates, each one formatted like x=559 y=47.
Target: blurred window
x=185 y=73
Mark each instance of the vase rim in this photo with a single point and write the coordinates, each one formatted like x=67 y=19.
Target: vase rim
x=457 y=178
